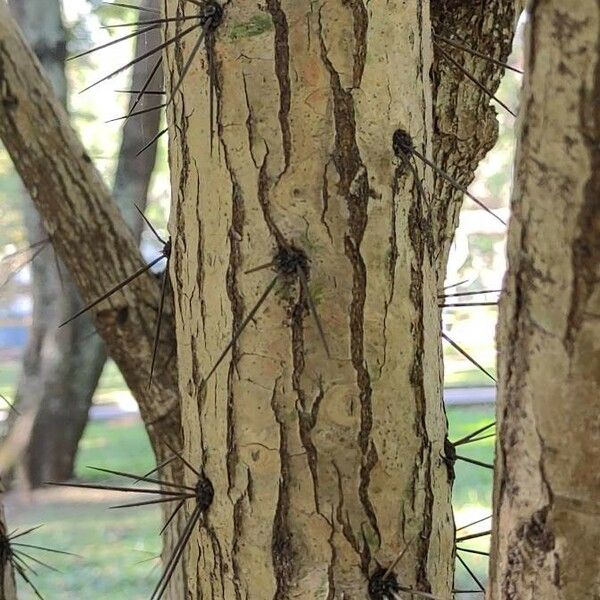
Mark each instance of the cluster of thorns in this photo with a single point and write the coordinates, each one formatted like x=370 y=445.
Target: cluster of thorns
x=288 y=263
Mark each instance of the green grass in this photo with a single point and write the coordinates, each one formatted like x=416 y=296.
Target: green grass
x=112 y=542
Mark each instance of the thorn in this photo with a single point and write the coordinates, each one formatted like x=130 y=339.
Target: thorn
x=468 y=356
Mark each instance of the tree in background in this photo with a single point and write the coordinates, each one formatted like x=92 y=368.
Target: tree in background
x=546 y=541
x=61 y=367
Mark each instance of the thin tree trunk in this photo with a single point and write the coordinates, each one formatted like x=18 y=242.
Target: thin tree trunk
x=67 y=386
x=546 y=539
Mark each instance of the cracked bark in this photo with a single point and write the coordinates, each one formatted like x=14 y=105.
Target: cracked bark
x=321 y=467
x=546 y=539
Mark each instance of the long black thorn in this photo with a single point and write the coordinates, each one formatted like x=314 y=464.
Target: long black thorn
x=58 y=270
x=146 y=92
x=415 y=174
x=23 y=250
x=23 y=562
x=467 y=592
x=473 y=576
x=417 y=593
x=474 y=523
x=476 y=293
x=152 y=141
x=151 y=22
x=18 y=535
x=171 y=565
x=397 y=560
x=313 y=309
x=152 y=502
x=475 y=462
x=133 y=6
x=479 y=439
x=28 y=581
x=161 y=306
x=112 y=43
x=241 y=328
x=29 y=261
x=36 y=560
x=113 y=488
x=468 y=356
x=471 y=551
x=115 y=289
x=9 y=404
x=466 y=304
x=473 y=536
x=188 y=63
x=145 y=86
x=145 y=479
x=183 y=460
x=465 y=48
x=455 y=184
x=147 y=221
x=261 y=267
x=158 y=467
x=453 y=285
x=473 y=79
x=172 y=516
x=158 y=48
x=471 y=435
x=135 y=114
x=53 y=550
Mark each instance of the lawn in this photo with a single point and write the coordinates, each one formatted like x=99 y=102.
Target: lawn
x=118 y=546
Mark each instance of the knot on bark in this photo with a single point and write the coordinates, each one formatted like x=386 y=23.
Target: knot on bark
x=205 y=493
x=402 y=144
x=290 y=260
x=383 y=585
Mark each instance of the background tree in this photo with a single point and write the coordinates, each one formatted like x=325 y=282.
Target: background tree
x=62 y=367
x=546 y=541
x=331 y=464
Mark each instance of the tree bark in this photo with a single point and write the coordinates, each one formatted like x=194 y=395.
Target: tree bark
x=546 y=539
x=61 y=372
x=323 y=468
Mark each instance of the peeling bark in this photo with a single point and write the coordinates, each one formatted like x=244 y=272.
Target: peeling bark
x=546 y=540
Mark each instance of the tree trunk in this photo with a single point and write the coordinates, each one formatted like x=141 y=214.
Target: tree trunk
x=62 y=368
x=323 y=468
x=546 y=540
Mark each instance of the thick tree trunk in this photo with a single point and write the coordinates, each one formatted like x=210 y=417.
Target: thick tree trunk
x=546 y=542
x=62 y=368
x=323 y=468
